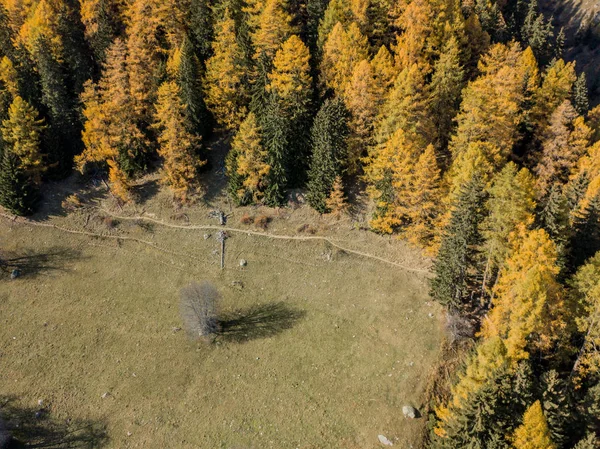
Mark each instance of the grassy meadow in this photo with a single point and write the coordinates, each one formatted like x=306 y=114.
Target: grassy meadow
x=321 y=347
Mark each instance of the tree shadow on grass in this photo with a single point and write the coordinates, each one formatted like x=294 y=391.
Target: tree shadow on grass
x=23 y=427
x=31 y=263
x=260 y=321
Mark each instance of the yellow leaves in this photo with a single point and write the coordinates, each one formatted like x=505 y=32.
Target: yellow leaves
x=384 y=73
x=416 y=20
x=336 y=201
x=225 y=90
x=9 y=76
x=528 y=308
x=42 y=24
x=252 y=158
x=587 y=283
x=177 y=144
x=567 y=137
x=361 y=103
x=404 y=182
x=534 y=432
x=119 y=186
x=273 y=28
x=342 y=51
x=555 y=88
x=290 y=78
x=21 y=132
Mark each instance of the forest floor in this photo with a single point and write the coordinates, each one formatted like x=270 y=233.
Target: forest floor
x=329 y=332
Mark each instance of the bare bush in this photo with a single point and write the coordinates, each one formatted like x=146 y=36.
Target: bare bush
x=110 y=222
x=199 y=309
x=247 y=219
x=262 y=221
x=459 y=328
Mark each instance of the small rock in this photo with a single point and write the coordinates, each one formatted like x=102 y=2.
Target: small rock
x=105 y=395
x=15 y=274
x=431 y=315
x=243 y=262
x=383 y=440
x=410 y=412
x=206 y=236
x=129 y=434
x=41 y=402
x=176 y=329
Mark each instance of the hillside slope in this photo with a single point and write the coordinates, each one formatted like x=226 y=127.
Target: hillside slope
x=581 y=21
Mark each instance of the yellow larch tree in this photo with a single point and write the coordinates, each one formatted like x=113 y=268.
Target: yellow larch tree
x=144 y=54
x=336 y=201
x=226 y=91
x=422 y=202
x=274 y=26
x=416 y=23
x=360 y=100
x=251 y=159
x=491 y=109
x=482 y=366
x=111 y=134
x=528 y=306
x=290 y=78
x=9 y=77
x=388 y=172
x=587 y=284
x=406 y=108
x=534 y=432
x=384 y=74
x=556 y=86
x=566 y=140
x=178 y=145
x=343 y=50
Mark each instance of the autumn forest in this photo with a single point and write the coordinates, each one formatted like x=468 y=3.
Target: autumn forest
x=462 y=123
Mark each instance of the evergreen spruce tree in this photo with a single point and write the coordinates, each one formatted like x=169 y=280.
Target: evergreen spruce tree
x=62 y=141
x=589 y=442
x=446 y=86
x=17 y=191
x=580 y=95
x=188 y=78
x=329 y=152
x=554 y=218
x=537 y=33
x=276 y=140
x=458 y=265
x=201 y=28
x=557 y=407
x=585 y=241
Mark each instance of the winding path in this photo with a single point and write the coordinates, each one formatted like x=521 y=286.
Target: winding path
x=204 y=227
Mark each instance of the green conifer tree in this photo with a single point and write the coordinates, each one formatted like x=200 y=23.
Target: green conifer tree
x=17 y=191
x=329 y=151
x=580 y=95
x=458 y=265
x=276 y=140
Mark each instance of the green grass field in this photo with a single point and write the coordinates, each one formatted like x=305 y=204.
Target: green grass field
x=322 y=350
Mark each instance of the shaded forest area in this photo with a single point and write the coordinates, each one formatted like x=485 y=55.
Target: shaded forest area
x=469 y=123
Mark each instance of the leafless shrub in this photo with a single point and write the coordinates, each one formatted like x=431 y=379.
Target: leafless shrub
x=199 y=309
x=307 y=228
x=110 y=222
x=262 y=221
x=459 y=328
x=247 y=219
x=180 y=216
